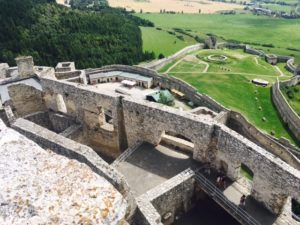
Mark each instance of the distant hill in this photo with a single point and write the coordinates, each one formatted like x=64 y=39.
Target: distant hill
x=52 y=33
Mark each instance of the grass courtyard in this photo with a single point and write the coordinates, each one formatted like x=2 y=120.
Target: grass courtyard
x=229 y=83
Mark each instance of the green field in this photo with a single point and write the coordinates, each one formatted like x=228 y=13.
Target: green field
x=160 y=41
x=238 y=62
x=282 y=33
x=292 y=94
x=278 y=8
x=232 y=86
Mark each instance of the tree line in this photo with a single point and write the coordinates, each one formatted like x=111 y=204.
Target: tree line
x=52 y=33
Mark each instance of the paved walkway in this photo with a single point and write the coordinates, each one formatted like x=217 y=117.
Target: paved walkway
x=151 y=165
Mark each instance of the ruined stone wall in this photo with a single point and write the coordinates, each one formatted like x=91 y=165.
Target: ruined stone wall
x=286 y=112
x=161 y=204
x=174 y=197
x=290 y=65
x=145 y=121
x=87 y=107
x=53 y=121
x=273 y=181
x=238 y=123
x=3 y=69
x=60 y=122
x=26 y=99
x=156 y=65
x=73 y=150
x=67 y=75
x=41 y=119
x=253 y=51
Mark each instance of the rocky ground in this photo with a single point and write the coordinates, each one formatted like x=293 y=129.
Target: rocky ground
x=38 y=186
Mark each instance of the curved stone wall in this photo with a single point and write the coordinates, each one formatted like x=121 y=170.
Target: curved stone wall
x=286 y=112
x=162 y=62
x=290 y=65
x=168 y=82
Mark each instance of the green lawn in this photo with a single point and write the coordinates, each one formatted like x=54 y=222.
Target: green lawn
x=160 y=41
x=238 y=93
x=233 y=88
x=292 y=94
x=282 y=33
x=238 y=62
x=186 y=66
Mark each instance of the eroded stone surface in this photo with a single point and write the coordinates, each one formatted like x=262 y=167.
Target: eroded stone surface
x=41 y=187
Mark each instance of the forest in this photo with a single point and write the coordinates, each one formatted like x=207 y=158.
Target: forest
x=52 y=33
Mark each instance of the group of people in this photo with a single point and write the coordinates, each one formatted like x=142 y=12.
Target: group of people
x=221 y=182
x=243 y=202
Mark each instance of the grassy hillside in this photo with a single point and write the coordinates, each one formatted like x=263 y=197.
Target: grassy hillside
x=162 y=42
x=282 y=33
x=229 y=82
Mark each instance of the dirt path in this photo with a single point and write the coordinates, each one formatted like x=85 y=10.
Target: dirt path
x=188 y=59
x=256 y=61
x=179 y=61
x=279 y=71
x=206 y=66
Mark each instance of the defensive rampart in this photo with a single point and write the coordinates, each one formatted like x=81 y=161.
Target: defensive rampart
x=287 y=113
x=156 y=65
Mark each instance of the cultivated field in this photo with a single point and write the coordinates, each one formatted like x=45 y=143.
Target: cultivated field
x=186 y=6
x=229 y=83
x=259 y=30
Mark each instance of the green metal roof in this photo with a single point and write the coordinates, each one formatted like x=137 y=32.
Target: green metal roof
x=156 y=95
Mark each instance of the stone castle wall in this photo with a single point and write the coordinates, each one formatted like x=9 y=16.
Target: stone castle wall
x=67 y=74
x=238 y=123
x=134 y=121
x=141 y=117
x=87 y=107
x=156 y=65
x=56 y=122
x=288 y=115
x=168 y=199
x=26 y=99
x=273 y=180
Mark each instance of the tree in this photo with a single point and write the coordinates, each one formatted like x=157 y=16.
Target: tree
x=161 y=56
